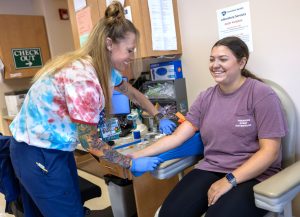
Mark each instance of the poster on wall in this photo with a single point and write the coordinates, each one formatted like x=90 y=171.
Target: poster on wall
x=127 y=12
x=235 y=21
x=84 y=24
x=79 y=4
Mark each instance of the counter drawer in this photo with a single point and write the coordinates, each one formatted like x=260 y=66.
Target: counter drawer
x=86 y=162
x=114 y=169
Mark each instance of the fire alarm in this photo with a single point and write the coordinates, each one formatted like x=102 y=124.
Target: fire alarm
x=63 y=14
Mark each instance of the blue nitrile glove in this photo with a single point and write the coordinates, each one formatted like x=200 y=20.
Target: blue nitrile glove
x=166 y=126
x=145 y=164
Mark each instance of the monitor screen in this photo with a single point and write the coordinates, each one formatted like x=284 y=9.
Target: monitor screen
x=120 y=103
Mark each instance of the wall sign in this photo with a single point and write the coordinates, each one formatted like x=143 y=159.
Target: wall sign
x=236 y=21
x=27 y=57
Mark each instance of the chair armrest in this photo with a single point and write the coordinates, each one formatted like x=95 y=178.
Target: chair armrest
x=275 y=192
x=171 y=168
x=180 y=158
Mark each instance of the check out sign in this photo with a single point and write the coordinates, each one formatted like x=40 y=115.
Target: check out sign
x=27 y=57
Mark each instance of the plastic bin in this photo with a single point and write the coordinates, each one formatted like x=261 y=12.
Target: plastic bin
x=121 y=196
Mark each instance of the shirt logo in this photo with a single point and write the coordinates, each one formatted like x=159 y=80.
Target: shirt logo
x=243 y=123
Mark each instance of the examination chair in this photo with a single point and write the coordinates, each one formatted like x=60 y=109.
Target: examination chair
x=276 y=193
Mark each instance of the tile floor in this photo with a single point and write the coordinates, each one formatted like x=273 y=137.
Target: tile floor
x=93 y=204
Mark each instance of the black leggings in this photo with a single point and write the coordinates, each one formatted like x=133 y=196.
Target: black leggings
x=189 y=198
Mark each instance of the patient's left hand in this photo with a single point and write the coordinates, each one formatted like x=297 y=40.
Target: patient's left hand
x=217 y=189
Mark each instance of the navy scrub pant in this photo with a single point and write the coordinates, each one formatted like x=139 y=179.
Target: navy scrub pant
x=189 y=198
x=51 y=192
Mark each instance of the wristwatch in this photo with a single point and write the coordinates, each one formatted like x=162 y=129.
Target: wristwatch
x=231 y=179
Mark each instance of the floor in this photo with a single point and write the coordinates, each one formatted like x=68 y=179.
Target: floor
x=94 y=204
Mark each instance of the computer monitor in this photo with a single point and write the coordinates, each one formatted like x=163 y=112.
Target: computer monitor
x=120 y=103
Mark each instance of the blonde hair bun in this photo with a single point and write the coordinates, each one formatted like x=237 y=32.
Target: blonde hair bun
x=114 y=13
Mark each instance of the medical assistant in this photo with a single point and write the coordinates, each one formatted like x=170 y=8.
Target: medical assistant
x=45 y=136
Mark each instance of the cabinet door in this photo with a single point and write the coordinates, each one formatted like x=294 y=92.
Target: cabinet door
x=140 y=17
x=23 y=45
x=146 y=30
x=96 y=7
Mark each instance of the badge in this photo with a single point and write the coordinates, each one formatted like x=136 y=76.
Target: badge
x=109 y=129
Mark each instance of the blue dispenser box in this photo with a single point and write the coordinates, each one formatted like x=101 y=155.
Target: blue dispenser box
x=166 y=70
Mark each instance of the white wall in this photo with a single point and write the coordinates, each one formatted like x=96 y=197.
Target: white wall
x=276 y=44
x=59 y=31
x=22 y=7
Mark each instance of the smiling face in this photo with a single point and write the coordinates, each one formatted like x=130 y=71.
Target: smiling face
x=122 y=52
x=225 y=68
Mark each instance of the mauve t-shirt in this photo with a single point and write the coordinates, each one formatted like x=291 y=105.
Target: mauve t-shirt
x=231 y=124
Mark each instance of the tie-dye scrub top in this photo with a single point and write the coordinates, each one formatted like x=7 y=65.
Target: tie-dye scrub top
x=54 y=103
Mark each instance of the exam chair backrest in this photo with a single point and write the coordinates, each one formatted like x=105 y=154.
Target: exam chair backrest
x=271 y=194
x=289 y=141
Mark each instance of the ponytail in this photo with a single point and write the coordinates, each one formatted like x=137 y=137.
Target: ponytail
x=246 y=73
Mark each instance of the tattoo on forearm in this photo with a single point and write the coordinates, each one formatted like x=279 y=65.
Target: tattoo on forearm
x=116 y=157
x=123 y=87
x=89 y=138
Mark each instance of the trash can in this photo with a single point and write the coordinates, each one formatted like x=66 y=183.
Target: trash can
x=121 y=196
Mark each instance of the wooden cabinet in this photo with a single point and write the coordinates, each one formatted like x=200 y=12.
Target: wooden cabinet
x=141 y=19
x=114 y=169
x=23 y=45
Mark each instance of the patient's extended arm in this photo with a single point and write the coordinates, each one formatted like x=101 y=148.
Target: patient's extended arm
x=180 y=135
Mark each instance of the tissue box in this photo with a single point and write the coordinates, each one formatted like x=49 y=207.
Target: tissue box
x=14 y=101
x=166 y=70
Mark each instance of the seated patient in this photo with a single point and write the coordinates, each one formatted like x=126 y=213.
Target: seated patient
x=241 y=123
